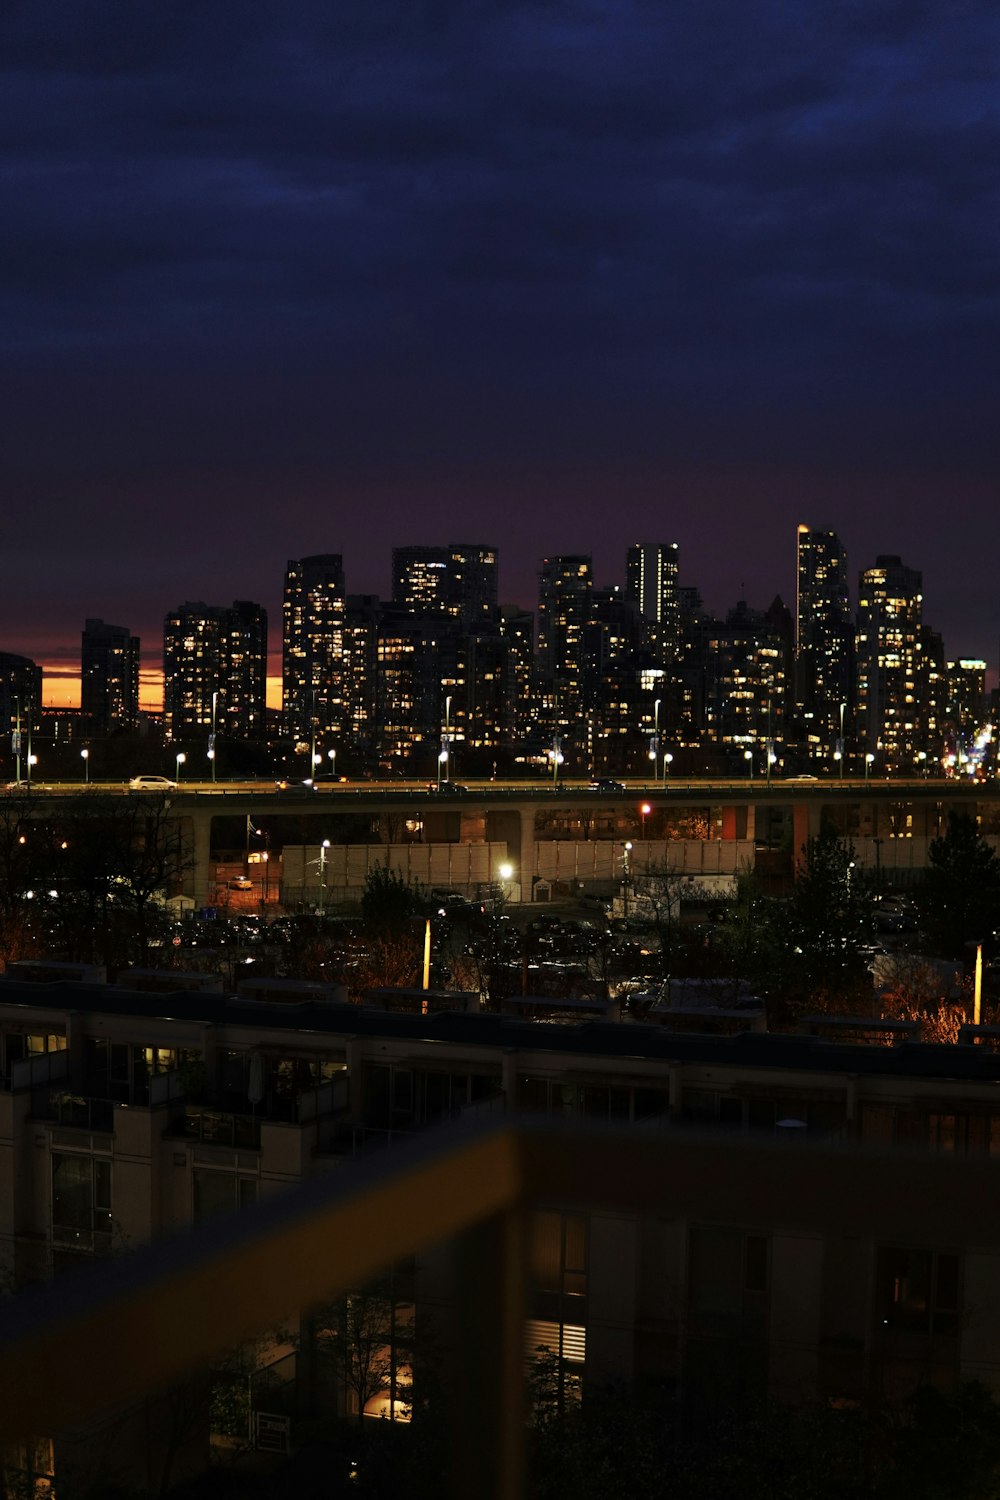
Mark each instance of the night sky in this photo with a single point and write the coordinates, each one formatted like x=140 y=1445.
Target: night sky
x=552 y=276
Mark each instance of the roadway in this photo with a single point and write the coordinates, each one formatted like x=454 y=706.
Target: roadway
x=510 y=787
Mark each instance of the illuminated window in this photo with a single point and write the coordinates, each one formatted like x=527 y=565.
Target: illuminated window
x=918 y=1291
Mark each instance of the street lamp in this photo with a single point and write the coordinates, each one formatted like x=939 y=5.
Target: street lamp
x=654 y=747
x=840 y=743
x=180 y=759
x=667 y=759
x=556 y=756
x=772 y=760
x=211 y=738
x=645 y=811
x=506 y=873
x=32 y=761
x=748 y=757
x=869 y=762
x=85 y=757
x=322 y=872
x=627 y=862
x=332 y=757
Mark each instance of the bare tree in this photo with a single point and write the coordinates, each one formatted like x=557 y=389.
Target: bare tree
x=368 y=1338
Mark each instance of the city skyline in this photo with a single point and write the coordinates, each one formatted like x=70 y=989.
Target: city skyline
x=573 y=276
x=62 y=671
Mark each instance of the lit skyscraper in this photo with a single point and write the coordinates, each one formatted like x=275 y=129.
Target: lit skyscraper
x=20 y=694
x=109 y=677
x=890 y=666
x=651 y=583
x=824 y=640
x=214 y=669
x=565 y=587
x=313 y=666
x=458 y=580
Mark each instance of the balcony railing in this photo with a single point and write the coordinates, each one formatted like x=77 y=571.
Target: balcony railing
x=77 y=1110
x=179 y=1302
x=212 y=1127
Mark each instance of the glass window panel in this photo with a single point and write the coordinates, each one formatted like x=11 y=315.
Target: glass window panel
x=214 y=1193
x=546 y=1251
x=72 y=1189
x=756 y=1263
x=576 y=1242
x=947 y=1283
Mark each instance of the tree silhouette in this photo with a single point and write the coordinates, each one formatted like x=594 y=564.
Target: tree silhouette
x=959 y=899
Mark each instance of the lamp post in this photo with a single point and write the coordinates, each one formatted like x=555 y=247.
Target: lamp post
x=748 y=757
x=443 y=756
x=840 y=742
x=16 y=739
x=772 y=760
x=211 y=738
x=32 y=762
x=85 y=757
x=645 y=811
x=506 y=873
x=332 y=757
x=667 y=759
x=627 y=871
x=869 y=762
x=654 y=749
x=180 y=758
x=556 y=757
x=322 y=873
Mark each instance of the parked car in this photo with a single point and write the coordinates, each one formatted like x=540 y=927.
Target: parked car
x=151 y=784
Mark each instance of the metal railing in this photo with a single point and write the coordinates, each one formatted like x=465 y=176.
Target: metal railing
x=151 y=1316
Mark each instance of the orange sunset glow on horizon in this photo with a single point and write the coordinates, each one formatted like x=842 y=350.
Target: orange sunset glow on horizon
x=61 y=688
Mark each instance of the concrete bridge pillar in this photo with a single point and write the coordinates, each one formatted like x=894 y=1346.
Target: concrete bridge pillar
x=526 y=852
x=196 y=828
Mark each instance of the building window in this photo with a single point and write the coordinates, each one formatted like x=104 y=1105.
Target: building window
x=28 y=1468
x=221 y=1193
x=728 y=1272
x=918 y=1291
x=81 y=1203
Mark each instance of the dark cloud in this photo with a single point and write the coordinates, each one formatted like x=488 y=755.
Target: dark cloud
x=296 y=266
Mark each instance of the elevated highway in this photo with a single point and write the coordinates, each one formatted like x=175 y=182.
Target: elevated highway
x=323 y=840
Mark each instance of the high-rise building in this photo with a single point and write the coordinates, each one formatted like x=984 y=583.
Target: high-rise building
x=651 y=583
x=109 y=678
x=824 y=642
x=565 y=587
x=215 y=670
x=360 y=671
x=458 y=580
x=518 y=630
x=890 y=668
x=746 y=682
x=242 y=706
x=20 y=694
x=314 y=685
x=415 y=653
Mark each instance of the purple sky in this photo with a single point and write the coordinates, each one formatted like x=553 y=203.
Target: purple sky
x=554 y=276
